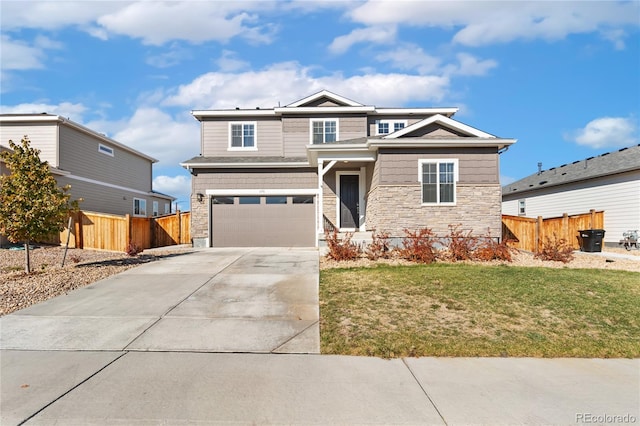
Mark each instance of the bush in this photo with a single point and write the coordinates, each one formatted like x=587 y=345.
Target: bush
x=132 y=249
x=490 y=249
x=556 y=249
x=379 y=248
x=419 y=246
x=461 y=245
x=341 y=249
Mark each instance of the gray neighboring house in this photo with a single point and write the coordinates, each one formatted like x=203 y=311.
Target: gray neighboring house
x=609 y=182
x=281 y=176
x=110 y=176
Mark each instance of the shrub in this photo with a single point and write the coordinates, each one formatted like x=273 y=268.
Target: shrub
x=556 y=249
x=461 y=245
x=132 y=249
x=379 y=247
x=341 y=249
x=419 y=246
x=490 y=249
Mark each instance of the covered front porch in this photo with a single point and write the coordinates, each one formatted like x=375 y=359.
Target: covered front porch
x=344 y=180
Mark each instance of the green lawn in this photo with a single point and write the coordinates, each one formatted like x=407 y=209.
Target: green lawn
x=474 y=310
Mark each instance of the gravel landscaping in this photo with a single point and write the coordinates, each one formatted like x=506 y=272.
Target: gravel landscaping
x=49 y=279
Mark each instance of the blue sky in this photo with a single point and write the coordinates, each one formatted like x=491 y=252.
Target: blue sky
x=561 y=77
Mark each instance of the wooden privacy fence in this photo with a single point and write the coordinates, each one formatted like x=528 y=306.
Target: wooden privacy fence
x=529 y=234
x=102 y=231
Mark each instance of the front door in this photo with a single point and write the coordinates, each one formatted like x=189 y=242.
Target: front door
x=349 y=201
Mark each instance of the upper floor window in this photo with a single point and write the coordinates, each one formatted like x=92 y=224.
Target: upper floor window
x=384 y=127
x=105 y=150
x=323 y=131
x=522 y=208
x=438 y=180
x=155 y=208
x=139 y=207
x=242 y=135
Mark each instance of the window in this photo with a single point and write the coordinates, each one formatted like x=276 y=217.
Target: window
x=303 y=199
x=438 y=179
x=323 y=131
x=167 y=208
x=222 y=200
x=155 y=208
x=242 y=135
x=384 y=127
x=249 y=200
x=105 y=150
x=139 y=207
x=276 y=200
x=522 y=211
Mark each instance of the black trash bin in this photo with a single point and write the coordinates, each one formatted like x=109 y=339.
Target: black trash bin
x=591 y=240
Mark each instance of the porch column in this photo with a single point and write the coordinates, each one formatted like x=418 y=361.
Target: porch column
x=321 y=172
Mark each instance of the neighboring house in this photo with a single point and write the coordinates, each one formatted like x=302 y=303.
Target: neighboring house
x=609 y=182
x=110 y=177
x=281 y=176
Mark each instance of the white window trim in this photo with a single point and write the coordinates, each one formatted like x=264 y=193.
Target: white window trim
x=167 y=208
x=522 y=207
x=106 y=150
x=134 y=207
x=456 y=177
x=242 y=148
x=155 y=208
x=311 y=120
x=391 y=125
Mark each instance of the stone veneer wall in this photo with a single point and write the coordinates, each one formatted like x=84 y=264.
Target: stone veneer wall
x=393 y=208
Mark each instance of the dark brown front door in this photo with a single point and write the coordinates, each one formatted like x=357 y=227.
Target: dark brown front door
x=349 y=199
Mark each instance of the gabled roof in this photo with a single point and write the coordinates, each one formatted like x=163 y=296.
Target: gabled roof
x=444 y=121
x=609 y=163
x=340 y=100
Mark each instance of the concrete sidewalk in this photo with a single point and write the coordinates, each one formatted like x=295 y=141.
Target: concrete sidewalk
x=159 y=344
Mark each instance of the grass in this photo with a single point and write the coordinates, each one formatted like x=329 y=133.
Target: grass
x=474 y=310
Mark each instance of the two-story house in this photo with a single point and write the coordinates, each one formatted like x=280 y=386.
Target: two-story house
x=109 y=176
x=281 y=176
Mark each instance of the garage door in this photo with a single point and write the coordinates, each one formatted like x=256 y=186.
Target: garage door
x=265 y=221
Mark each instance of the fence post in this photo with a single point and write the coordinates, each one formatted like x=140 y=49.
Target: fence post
x=539 y=229
x=179 y=227
x=565 y=228
x=592 y=212
x=78 y=231
x=127 y=230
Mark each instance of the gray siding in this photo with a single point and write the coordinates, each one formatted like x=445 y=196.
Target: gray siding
x=476 y=165
x=215 y=137
x=43 y=136
x=434 y=131
x=79 y=155
x=297 y=131
x=104 y=199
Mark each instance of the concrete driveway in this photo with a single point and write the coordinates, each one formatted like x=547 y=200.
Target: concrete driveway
x=152 y=346
x=223 y=300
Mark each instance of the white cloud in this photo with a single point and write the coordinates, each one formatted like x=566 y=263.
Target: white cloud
x=53 y=14
x=156 y=133
x=265 y=88
x=20 y=55
x=229 y=61
x=194 y=21
x=607 y=132
x=469 y=65
x=482 y=23
x=377 y=35
x=410 y=57
x=169 y=58
x=65 y=109
x=178 y=186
